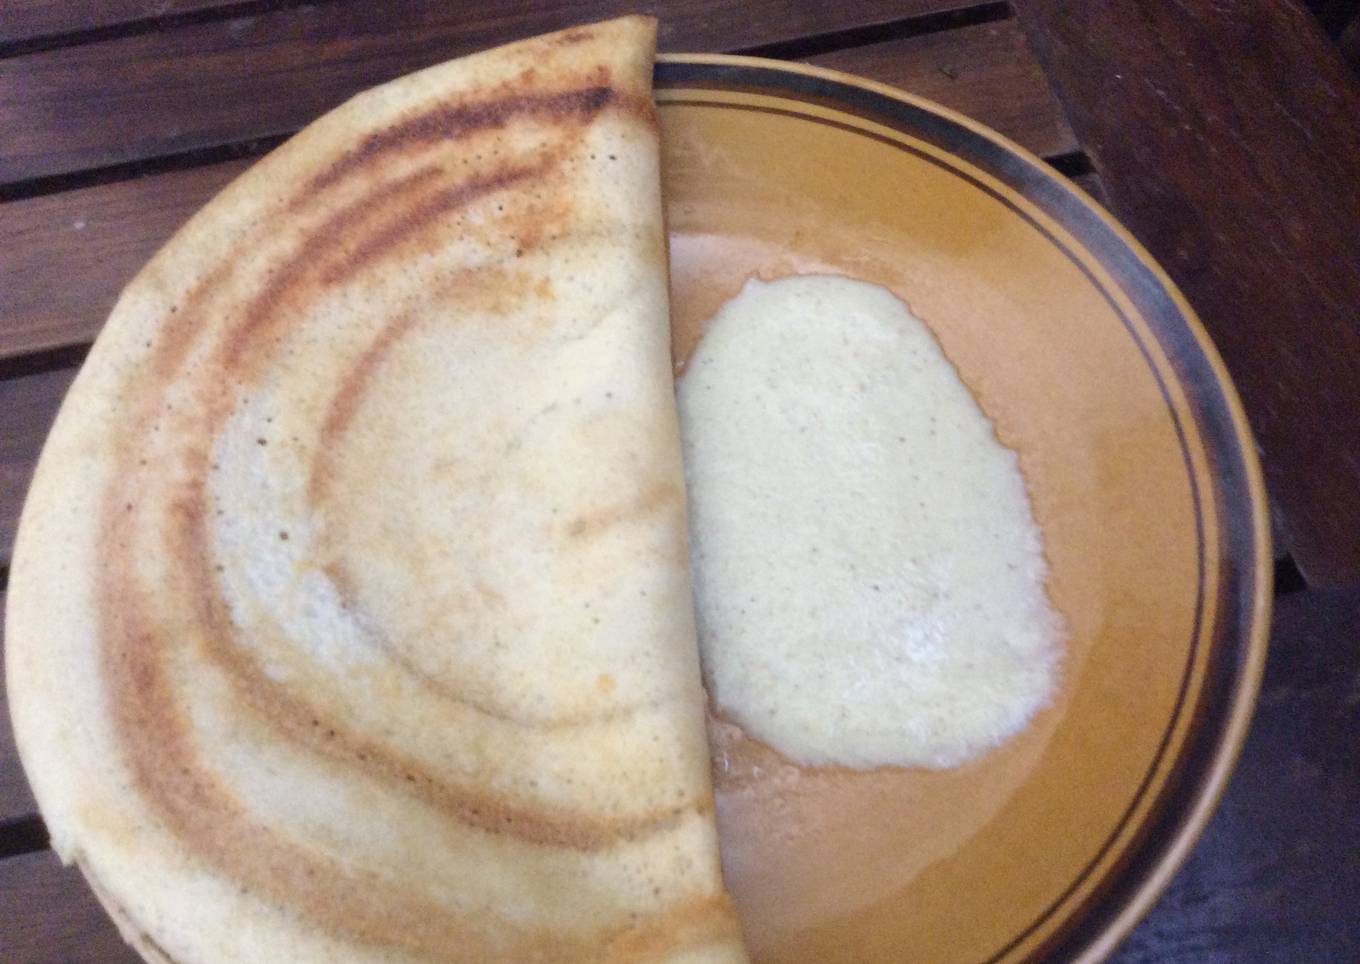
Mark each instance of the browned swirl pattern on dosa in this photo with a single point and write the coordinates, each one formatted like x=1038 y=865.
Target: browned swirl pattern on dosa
x=161 y=504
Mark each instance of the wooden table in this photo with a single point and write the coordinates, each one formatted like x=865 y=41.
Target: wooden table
x=1225 y=135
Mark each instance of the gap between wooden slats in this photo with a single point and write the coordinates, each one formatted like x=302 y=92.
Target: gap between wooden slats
x=213 y=83
x=101 y=235
x=30 y=25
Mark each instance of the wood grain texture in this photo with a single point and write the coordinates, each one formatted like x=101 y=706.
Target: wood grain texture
x=987 y=69
x=1276 y=876
x=49 y=916
x=28 y=405
x=1227 y=138
x=27 y=19
x=16 y=800
x=212 y=83
x=102 y=235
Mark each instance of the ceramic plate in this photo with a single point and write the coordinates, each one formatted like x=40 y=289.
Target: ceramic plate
x=1143 y=477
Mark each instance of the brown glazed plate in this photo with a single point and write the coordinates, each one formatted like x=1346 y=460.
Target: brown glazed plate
x=1143 y=476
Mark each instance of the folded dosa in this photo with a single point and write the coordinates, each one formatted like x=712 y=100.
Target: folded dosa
x=349 y=615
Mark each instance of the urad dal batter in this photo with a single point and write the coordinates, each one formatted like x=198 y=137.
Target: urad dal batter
x=869 y=574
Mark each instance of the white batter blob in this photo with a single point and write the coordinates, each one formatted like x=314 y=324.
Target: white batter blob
x=868 y=571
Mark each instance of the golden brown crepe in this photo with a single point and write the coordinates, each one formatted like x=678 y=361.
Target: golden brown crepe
x=349 y=617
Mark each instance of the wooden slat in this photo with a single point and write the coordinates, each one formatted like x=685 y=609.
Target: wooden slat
x=1276 y=876
x=1349 y=43
x=102 y=235
x=28 y=19
x=1227 y=138
x=28 y=404
x=16 y=800
x=213 y=83
x=49 y=916
x=988 y=67
x=74 y=251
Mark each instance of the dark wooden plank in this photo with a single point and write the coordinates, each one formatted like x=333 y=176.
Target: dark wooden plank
x=27 y=19
x=16 y=800
x=99 y=235
x=28 y=404
x=1227 y=138
x=102 y=235
x=212 y=83
x=1276 y=876
x=49 y=916
x=1349 y=43
x=986 y=71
